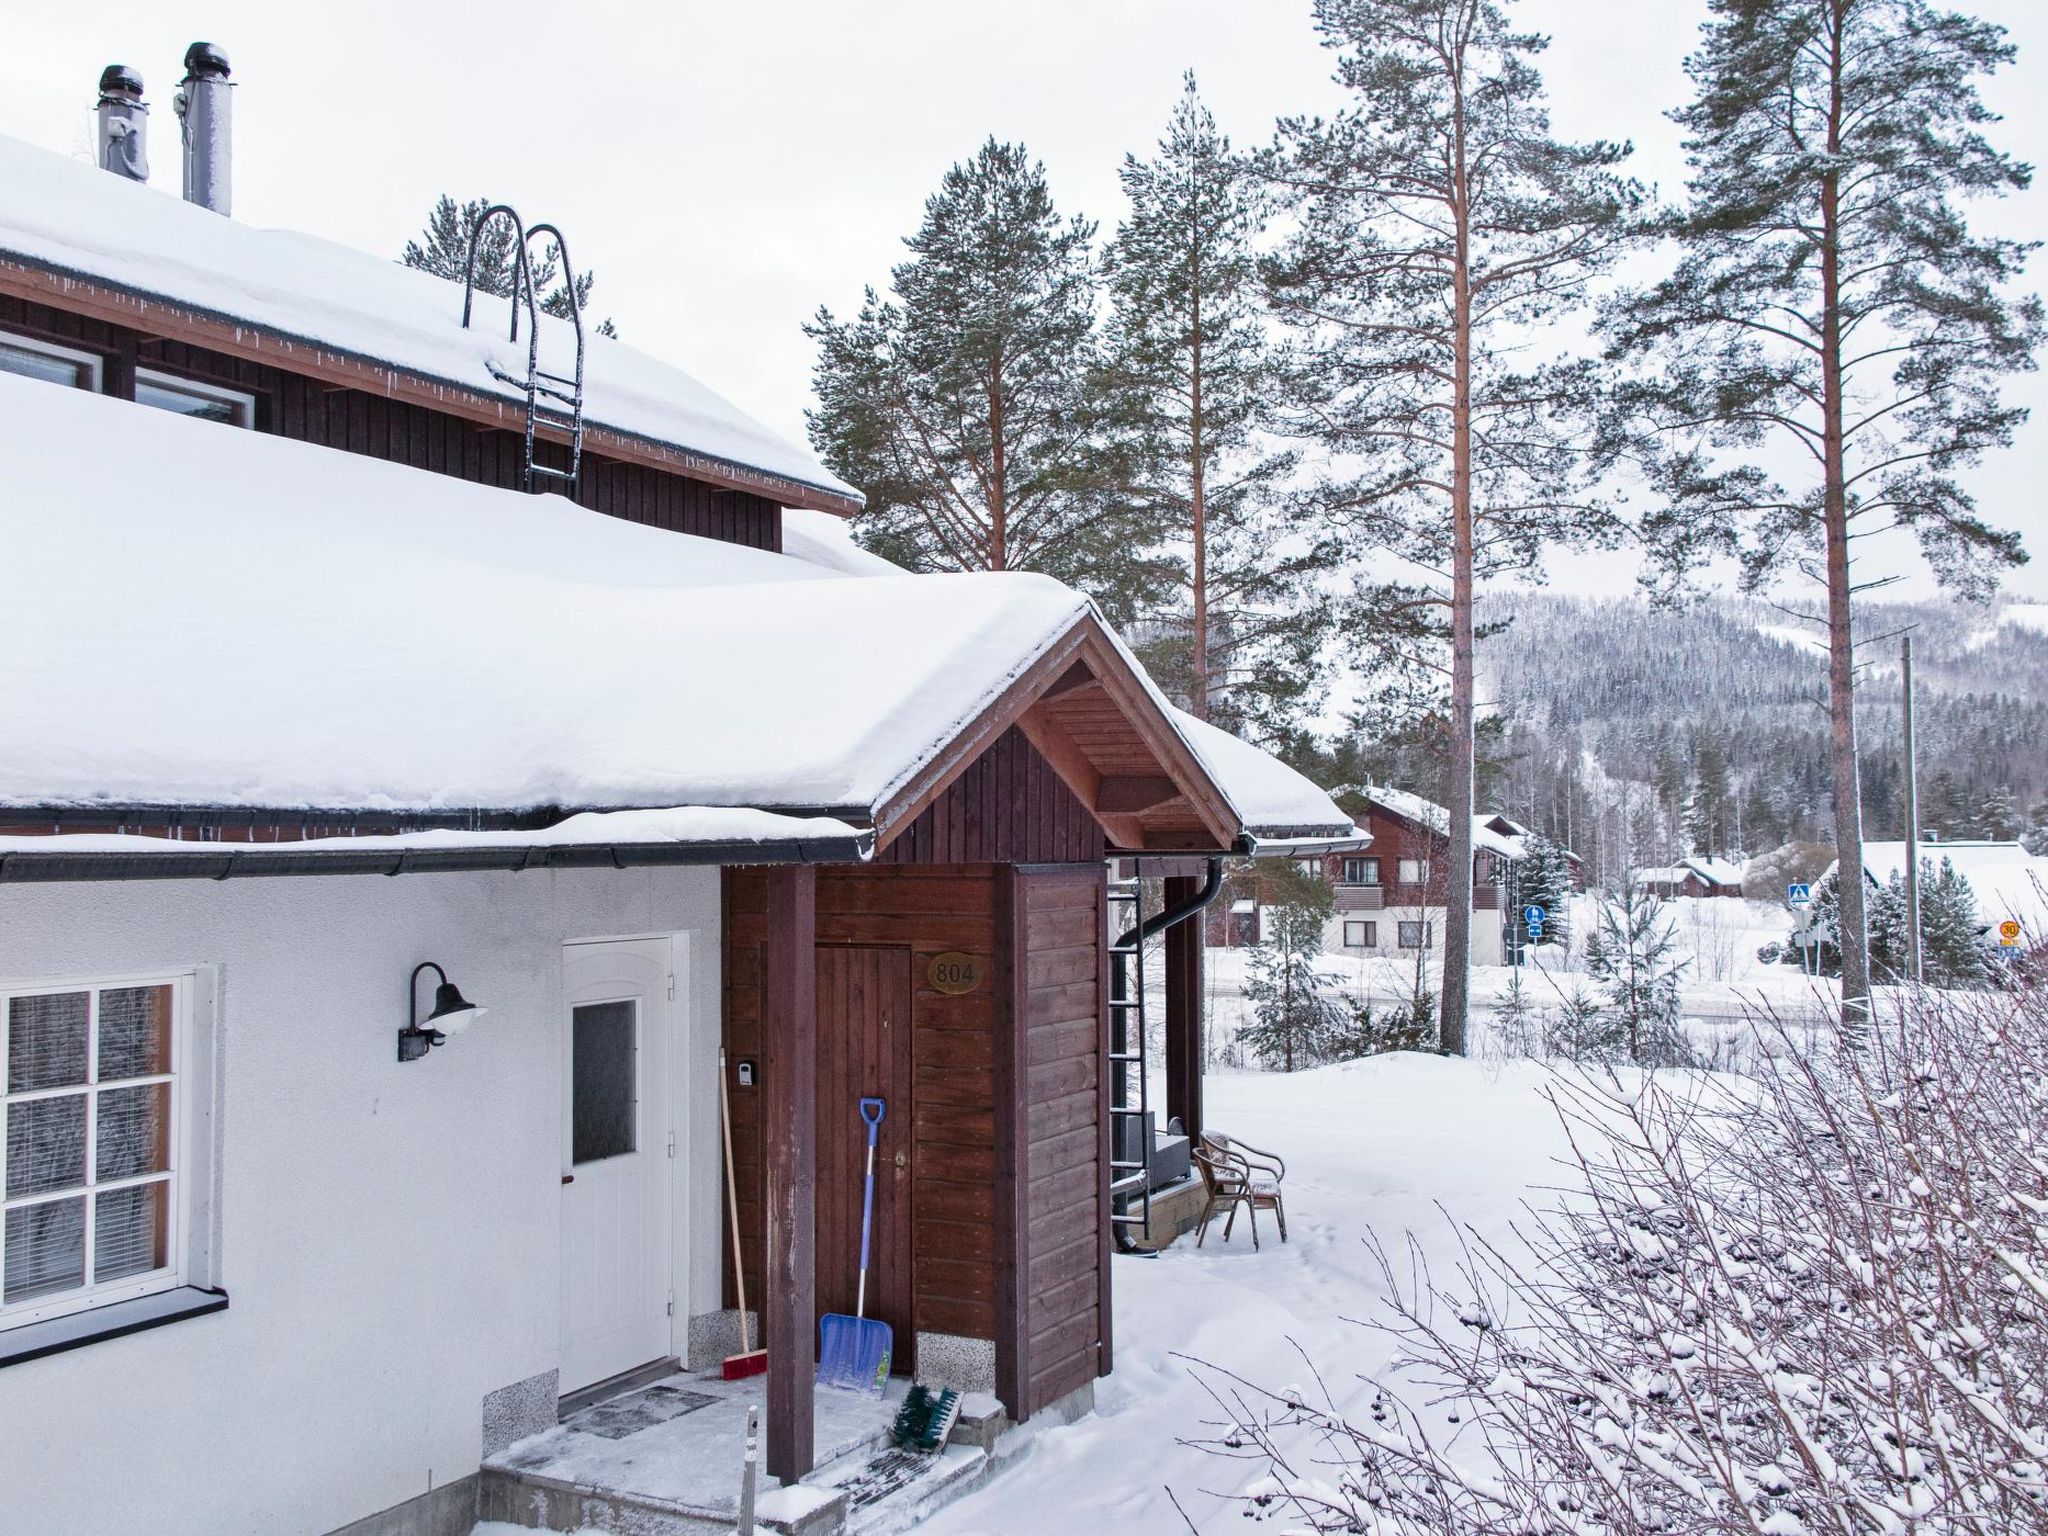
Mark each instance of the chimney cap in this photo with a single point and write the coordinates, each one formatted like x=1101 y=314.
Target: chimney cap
x=205 y=59
x=120 y=80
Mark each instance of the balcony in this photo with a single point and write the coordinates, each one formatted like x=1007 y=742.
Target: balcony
x=1361 y=898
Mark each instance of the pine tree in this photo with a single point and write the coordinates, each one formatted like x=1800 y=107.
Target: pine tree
x=971 y=406
x=1437 y=220
x=1295 y=1019
x=1632 y=956
x=1951 y=932
x=1711 y=791
x=1544 y=878
x=1832 y=311
x=1195 y=383
x=2035 y=838
x=1998 y=817
x=443 y=249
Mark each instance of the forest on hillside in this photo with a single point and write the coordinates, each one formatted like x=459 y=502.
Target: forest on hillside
x=1635 y=734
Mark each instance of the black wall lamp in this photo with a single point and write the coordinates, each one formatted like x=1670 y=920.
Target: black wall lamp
x=452 y=1011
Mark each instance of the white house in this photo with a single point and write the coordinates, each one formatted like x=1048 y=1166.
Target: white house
x=386 y=855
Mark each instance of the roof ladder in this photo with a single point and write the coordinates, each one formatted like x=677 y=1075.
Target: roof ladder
x=1130 y=1155
x=553 y=401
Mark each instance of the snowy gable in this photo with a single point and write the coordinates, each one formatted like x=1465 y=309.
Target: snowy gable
x=1433 y=817
x=204 y=616
x=69 y=218
x=2005 y=879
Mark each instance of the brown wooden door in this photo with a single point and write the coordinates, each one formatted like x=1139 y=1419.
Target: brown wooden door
x=864 y=1039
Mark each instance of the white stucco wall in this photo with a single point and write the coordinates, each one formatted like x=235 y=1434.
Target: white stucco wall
x=1486 y=934
x=390 y=1234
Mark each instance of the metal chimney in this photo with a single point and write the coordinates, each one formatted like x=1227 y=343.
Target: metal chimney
x=123 y=137
x=206 y=114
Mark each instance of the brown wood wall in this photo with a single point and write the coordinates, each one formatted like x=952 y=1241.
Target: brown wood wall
x=1061 y=1339
x=1009 y=807
x=925 y=911
x=296 y=407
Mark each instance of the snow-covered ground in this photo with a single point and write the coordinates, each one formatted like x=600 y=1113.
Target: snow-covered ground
x=1371 y=1146
x=1724 y=983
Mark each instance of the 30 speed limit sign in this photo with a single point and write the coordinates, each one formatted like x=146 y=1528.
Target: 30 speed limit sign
x=2009 y=933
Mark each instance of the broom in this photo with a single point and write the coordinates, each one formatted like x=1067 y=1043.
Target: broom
x=748 y=1362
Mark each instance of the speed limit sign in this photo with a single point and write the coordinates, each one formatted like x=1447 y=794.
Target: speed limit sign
x=2008 y=933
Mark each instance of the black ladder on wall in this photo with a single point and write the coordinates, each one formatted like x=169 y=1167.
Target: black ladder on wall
x=552 y=399
x=1130 y=1176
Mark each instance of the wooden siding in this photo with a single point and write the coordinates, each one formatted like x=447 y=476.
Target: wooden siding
x=1063 y=1245
x=1008 y=807
x=925 y=911
x=356 y=421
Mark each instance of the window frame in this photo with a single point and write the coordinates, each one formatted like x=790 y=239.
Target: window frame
x=243 y=401
x=1363 y=859
x=1368 y=936
x=94 y=365
x=1425 y=938
x=1420 y=866
x=185 y=1163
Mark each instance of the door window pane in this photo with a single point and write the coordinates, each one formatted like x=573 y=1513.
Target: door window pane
x=604 y=1092
x=45 y=1145
x=46 y=1041
x=135 y=1032
x=45 y=1249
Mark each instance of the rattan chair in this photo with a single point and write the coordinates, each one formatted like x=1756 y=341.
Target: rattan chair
x=1234 y=1175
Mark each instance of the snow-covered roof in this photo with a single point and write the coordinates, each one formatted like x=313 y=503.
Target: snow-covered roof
x=2006 y=880
x=1715 y=871
x=203 y=616
x=1662 y=874
x=1427 y=813
x=71 y=218
x=1278 y=805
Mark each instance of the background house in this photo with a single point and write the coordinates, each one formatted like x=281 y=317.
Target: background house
x=1694 y=875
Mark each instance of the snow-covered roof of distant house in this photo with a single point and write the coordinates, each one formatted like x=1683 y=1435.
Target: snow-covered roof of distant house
x=201 y=616
x=69 y=218
x=1662 y=874
x=1427 y=813
x=1714 y=871
x=2006 y=880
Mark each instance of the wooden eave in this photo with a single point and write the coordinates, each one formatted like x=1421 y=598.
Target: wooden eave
x=174 y=321
x=1088 y=714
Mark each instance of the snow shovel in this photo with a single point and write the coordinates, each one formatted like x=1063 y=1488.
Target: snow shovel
x=748 y=1362
x=853 y=1352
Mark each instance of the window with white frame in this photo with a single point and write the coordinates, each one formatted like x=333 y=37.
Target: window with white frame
x=1414 y=935
x=1362 y=871
x=36 y=359
x=1414 y=871
x=1361 y=934
x=189 y=397
x=96 y=1079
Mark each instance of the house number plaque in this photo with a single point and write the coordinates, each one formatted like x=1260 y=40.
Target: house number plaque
x=954 y=973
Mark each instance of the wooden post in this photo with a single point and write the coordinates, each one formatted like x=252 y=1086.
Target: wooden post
x=789 y=1087
x=1013 y=1142
x=1184 y=1008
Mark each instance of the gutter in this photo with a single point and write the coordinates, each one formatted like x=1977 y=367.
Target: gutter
x=1173 y=917
x=224 y=861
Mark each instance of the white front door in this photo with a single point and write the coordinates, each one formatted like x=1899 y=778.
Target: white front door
x=618 y=1147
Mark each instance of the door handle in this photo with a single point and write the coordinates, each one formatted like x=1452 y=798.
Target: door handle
x=568 y=1178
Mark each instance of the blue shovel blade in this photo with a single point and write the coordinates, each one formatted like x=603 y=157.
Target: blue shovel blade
x=853 y=1352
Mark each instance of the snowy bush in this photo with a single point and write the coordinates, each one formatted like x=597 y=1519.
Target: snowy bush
x=1809 y=1303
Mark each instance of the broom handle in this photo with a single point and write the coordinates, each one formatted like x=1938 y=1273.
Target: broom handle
x=732 y=1198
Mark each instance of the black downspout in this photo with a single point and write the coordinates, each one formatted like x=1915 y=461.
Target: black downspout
x=1173 y=917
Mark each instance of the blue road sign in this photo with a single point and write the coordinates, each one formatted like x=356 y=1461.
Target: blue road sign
x=1534 y=916
x=1798 y=895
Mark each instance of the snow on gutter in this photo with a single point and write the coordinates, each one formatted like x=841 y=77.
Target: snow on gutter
x=589 y=840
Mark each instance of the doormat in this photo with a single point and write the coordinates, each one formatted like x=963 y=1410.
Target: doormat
x=888 y=1472
x=622 y=1416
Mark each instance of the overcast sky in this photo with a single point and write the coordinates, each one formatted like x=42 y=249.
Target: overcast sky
x=726 y=168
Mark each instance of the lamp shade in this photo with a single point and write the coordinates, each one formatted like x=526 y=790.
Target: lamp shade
x=453 y=1013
